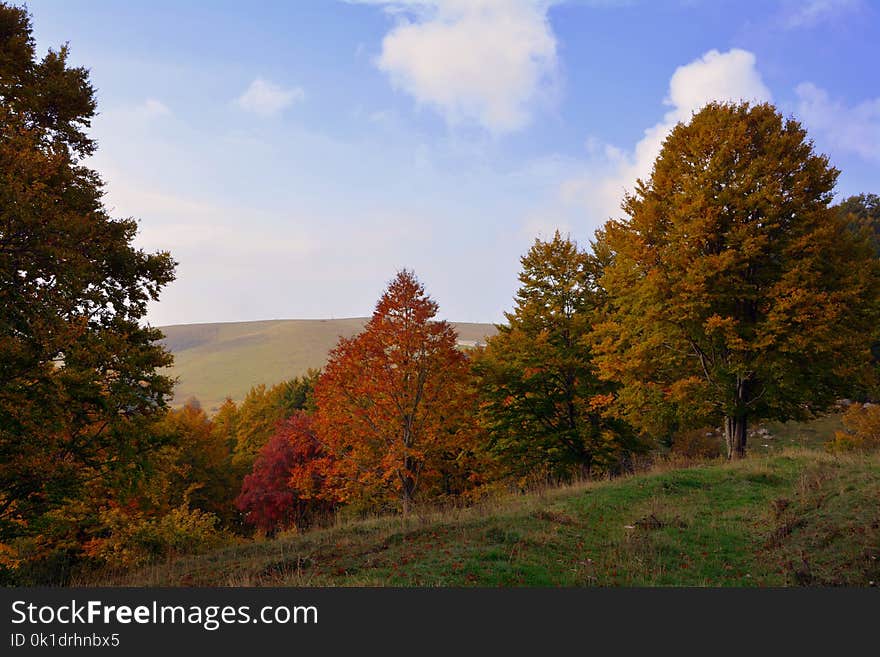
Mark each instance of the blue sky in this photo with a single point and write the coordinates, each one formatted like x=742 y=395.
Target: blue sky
x=293 y=155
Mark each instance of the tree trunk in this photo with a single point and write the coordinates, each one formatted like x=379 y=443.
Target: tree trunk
x=408 y=485
x=735 y=436
x=736 y=424
x=585 y=471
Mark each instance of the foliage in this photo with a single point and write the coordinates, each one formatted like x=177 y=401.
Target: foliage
x=135 y=541
x=287 y=487
x=185 y=484
x=735 y=291
x=255 y=418
x=862 y=214
x=80 y=375
x=394 y=403
x=862 y=429
x=541 y=399
x=225 y=423
x=298 y=393
x=194 y=465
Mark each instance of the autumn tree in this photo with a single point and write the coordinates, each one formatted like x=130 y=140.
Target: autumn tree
x=288 y=485
x=541 y=399
x=80 y=373
x=735 y=291
x=393 y=402
x=194 y=465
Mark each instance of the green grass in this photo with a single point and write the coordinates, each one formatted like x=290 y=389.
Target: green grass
x=798 y=517
x=213 y=361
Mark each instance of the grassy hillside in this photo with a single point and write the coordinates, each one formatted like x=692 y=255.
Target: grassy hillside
x=799 y=517
x=773 y=437
x=216 y=360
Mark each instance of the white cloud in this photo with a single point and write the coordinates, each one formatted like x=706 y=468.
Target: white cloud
x=142 y=113
x=267 y=98
x=729 y=76
x=841 y=128
x=484 y=62
x=716 y=76
x=807 y=13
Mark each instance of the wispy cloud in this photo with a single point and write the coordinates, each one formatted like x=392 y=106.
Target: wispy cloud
x=266 y=98
x=152 y=108
x=807 y=13
x=141 y=112
x=845 y=129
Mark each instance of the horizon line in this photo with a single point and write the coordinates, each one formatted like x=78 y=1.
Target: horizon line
x=300 y=319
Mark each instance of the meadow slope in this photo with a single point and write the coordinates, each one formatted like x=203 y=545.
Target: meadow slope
x=795 y=517
x=213 y=361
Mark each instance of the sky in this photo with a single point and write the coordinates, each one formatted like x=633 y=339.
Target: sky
x=293 y=156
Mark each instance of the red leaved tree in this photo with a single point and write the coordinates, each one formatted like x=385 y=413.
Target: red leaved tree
x=394 y=404
x=287 y=485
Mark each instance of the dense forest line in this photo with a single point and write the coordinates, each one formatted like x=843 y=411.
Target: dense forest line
x=732 y=289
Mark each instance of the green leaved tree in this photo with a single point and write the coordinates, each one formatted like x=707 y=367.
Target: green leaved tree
x=542 y=402
x=253 y=422
x=79 y=371
x=862 y=214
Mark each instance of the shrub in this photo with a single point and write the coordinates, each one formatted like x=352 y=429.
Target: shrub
x=287 y=487
x=698 y=443
x=862 y=432
x=136 y=541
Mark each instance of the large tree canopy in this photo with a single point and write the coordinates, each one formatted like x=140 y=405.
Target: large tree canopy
x=735 y=290
x=78 y=370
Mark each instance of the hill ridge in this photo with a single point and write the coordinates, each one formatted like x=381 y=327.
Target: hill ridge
x=213 y=360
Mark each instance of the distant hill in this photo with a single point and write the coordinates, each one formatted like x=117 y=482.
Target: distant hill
x=213 y=361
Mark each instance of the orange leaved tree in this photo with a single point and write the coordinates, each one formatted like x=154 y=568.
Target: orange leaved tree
x=393 y=404
x=735 y=292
